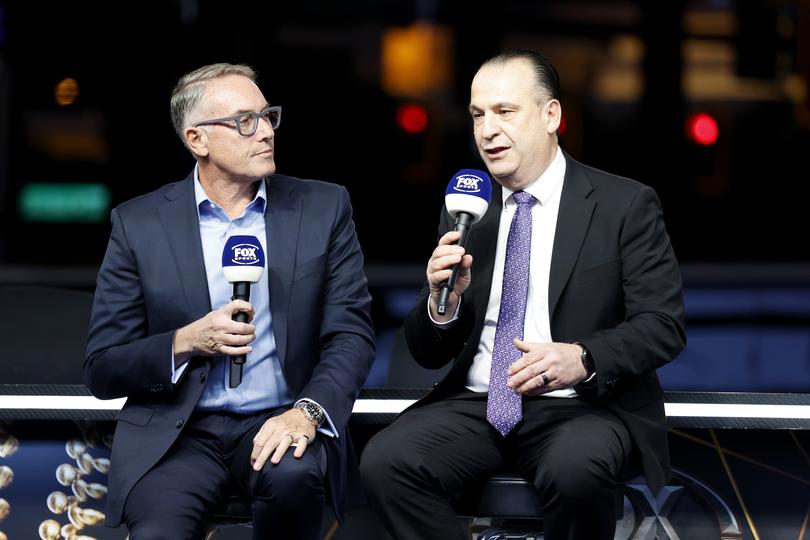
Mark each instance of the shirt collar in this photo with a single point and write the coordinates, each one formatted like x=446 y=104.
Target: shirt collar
x=547 y=184
x=200 y=196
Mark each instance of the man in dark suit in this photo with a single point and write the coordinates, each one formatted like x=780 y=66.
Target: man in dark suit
x=568 y=299
x=161 y=331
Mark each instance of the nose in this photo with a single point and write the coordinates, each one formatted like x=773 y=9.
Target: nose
x=489 y=125
x=265 y=130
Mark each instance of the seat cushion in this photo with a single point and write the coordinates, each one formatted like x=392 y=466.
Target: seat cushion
x=235 y=511
x=502 y=495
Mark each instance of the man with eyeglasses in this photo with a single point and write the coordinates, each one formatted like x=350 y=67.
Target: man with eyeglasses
x=162 y=331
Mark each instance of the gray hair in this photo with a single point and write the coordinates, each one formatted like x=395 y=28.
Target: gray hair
x=189 y=90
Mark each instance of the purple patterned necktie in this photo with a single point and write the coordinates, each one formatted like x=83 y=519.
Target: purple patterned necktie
x=504 y=406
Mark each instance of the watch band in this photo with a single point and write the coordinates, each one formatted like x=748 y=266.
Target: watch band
x=585 y=358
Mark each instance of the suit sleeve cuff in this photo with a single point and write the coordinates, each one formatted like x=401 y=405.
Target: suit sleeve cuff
x=177 y=373
x=327 y=428
x=446 y=324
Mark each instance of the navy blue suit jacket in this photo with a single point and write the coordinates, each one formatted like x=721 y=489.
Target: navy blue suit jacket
x=153 y=281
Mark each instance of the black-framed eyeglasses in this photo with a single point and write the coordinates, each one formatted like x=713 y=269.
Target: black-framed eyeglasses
x=247 y=123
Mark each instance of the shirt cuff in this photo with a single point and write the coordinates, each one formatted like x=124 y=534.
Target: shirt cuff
x=327 y=428
x=445 y=324
x=177 y=373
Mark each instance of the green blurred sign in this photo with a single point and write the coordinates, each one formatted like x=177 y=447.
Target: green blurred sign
x=64 y=203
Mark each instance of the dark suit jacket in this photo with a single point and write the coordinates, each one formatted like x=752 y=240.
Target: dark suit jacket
x=614 y=286
x=153 y=281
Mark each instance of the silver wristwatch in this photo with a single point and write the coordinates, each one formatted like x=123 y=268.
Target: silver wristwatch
x=312 y=412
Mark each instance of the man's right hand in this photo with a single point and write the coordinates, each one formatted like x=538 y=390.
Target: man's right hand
x=216 y=334
x=446 y=254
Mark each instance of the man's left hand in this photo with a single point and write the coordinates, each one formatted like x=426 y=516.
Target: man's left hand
x=278 y=434
x=545 y=367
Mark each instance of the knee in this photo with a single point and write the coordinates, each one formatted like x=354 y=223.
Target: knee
x=292 y=480
x=573 y=477
x=374 y=467
x=382 y=462
x=576 y=484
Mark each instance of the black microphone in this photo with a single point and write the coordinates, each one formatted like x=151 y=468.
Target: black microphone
x=466 y=199
x=242 y=264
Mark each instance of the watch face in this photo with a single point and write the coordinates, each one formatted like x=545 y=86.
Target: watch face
x=312 y=412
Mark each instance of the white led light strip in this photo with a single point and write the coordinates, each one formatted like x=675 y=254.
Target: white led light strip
x=727 y=410
x=67 y=403
x=394 y=406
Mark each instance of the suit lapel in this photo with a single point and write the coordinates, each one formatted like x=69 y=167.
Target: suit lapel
x=282 y=223
x=181 y=224
x=573 y=220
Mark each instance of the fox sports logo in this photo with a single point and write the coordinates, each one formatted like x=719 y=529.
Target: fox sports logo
x=245 y=254
x=468 y=183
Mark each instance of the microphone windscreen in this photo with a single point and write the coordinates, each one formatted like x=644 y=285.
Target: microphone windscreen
x=469 y=191
x=243 y=259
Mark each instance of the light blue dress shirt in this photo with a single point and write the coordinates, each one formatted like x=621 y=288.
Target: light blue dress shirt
x=263 y=386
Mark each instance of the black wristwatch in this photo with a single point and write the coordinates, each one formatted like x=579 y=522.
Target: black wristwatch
x=312 y=412
x=587 y=360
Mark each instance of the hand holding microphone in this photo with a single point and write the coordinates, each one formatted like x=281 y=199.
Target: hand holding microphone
x=242 y=264
x=466 y=199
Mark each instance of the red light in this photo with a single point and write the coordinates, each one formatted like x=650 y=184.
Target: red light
x=702 y=129
x=412 y=118
x=563 y=125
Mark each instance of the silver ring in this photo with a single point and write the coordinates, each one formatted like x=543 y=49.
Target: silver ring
x=303 y=436
x=545 y=379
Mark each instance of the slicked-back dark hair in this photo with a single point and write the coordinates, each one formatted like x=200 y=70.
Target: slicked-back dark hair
x=547 y=78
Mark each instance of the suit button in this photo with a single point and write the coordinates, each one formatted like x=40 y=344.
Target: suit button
x=202 y=377
x=179 y=423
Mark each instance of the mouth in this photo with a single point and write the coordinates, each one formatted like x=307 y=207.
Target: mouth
x=269 y=151
x=496 y=151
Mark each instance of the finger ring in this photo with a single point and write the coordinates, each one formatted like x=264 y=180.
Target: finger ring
x=302 y=436
x=290 y=436
x=545 y=379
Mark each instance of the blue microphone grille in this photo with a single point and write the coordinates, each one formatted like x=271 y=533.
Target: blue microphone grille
x=470 y=182
x=243 y=250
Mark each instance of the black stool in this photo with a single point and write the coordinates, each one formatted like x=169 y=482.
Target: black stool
x=236 y=512
x=513 y=506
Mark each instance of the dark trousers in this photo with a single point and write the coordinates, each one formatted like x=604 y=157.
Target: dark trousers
x=571 y=451
x=176 y=498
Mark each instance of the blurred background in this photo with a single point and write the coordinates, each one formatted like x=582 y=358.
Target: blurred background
x=706 y=101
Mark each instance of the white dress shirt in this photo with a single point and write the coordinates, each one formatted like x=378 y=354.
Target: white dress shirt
x=547 y=190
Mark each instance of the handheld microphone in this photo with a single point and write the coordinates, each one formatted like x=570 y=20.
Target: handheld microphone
x=242 y=264
x=466 y=199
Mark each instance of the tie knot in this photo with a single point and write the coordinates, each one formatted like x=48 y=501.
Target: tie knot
x=521 y=198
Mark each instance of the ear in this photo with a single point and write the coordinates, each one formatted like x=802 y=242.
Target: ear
x=196 y=141
x=553 y=112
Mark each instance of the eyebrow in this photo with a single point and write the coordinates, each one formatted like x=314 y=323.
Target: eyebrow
x=499 y=105
x=242 y=111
